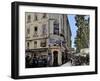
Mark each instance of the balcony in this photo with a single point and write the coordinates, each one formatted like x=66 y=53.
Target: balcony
x=43 y=35
x=35 y=35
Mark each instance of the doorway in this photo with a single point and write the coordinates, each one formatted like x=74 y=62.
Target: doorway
x=55 y=60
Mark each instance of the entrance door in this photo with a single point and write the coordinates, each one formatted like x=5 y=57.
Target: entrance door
x=55 y=62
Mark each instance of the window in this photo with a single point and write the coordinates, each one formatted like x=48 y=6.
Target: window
x=35 y=17
x=43 y=43
x=62 y=27
x=35 y=44
x=35 y=31
x=44 y=30
x=28 y=31
x=28 y=18
x=56 y=28
x=44 y=15
x=28 y=45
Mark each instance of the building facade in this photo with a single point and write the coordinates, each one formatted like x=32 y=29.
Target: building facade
x=47 y=35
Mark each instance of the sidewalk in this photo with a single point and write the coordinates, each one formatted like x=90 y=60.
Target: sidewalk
x=66 y=64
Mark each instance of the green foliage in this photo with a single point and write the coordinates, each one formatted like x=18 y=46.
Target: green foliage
x=82 y=38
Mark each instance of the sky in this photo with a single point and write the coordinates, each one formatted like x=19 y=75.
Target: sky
x=72 y=22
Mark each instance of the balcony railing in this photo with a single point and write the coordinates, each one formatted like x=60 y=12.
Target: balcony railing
x=43 y=35
x=35 y=35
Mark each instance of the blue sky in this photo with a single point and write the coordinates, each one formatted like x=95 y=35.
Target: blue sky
x=72 y=22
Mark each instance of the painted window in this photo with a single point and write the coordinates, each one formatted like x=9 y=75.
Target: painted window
x=44 y=29
x=62 y=27
x=44 y=15
x=43 y=43
x=28 y=18
x=56 y=28
x=28 y=30
x=28 y=45
x=35 y=17
x=35 y=44
x=35 y=31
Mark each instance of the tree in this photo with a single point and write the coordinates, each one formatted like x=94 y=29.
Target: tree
x=82 y=38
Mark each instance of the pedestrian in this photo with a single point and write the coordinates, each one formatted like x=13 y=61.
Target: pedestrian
x=27 y=61
x=35 y=62
x=49 y=59
x=44 y=61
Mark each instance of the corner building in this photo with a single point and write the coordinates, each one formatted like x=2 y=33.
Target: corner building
x=47 y=34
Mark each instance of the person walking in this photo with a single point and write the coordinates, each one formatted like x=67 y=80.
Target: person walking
x=49 y=59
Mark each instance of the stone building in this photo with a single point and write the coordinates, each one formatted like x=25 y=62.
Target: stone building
x=47 y=34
